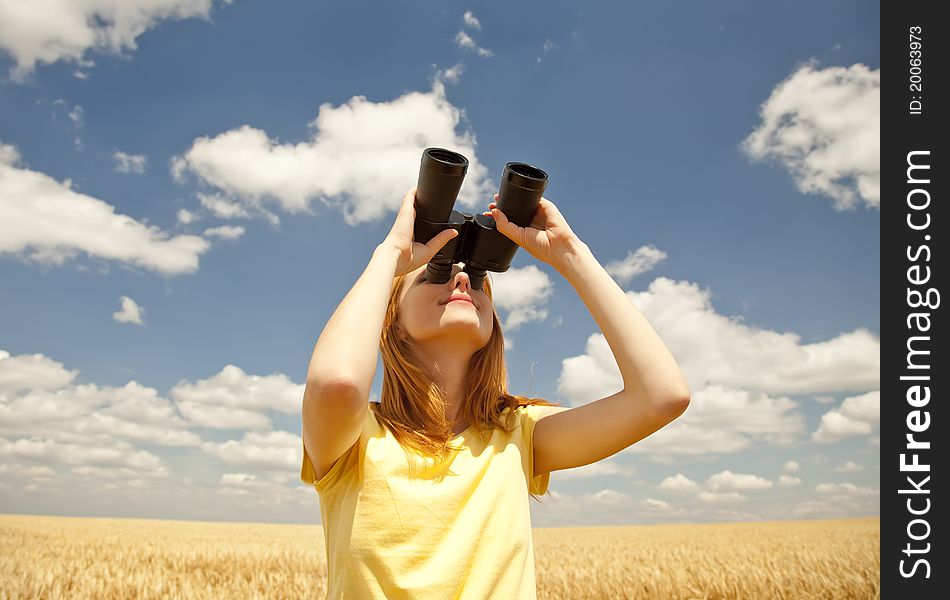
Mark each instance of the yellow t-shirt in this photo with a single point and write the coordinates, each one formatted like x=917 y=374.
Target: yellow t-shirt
x=456 y=530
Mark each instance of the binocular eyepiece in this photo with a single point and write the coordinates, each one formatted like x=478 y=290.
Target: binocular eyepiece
x=478 y=244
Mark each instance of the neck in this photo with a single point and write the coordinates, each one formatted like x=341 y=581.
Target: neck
x=448 y=368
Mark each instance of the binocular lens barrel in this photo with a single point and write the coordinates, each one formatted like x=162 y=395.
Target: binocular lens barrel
x=440 y=179
x=520 y=192
x=478 y=244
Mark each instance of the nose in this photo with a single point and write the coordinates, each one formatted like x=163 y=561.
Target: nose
x=461 y=280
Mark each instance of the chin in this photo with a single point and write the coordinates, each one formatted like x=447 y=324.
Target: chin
x=470 y=327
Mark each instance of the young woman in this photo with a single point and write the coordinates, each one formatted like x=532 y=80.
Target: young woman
x=425 y=494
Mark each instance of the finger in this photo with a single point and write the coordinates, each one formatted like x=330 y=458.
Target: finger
x=434 y=245
x=506 y=227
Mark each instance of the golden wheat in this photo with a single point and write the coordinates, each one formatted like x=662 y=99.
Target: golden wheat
x=66 y=557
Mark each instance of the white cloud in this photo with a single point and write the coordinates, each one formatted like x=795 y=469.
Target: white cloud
x=234 y=399
x=791 y=467
x=846 y=489
x=723 y=420
x=130 y=312
x=849 y=467
x=119 y=454
x=464 y=40
x=786 y=481
x=824 y=126
x=227 y=232
x=727 y=480
x=654 y=504
x=609 y=496
x=224 y=208
x=452 y=74
x=47 y=31
x=31 y=372
x=129 y=163
x=721 y=498
x=635 y=263
x=523 y=292
x=271 y=450
x=78 y=443
x=83 y=414
x=186 y=216
x=361 y=159
x=856 y=416
x=601 y=468
x=47 y=222
x=679 y=484
x=835 y=426
x=866 y=407
x=711 y=349
x=471 y=20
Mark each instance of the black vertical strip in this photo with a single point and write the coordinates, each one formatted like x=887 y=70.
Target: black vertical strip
x=913 y=270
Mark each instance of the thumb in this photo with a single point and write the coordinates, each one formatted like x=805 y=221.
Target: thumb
x=506 y=227
x=440 y=240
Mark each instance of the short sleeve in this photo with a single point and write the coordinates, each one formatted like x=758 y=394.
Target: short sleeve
x=346 y=464
x=529 y=418
x=340 y=468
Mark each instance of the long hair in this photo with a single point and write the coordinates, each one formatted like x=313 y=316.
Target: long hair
x=412 y=407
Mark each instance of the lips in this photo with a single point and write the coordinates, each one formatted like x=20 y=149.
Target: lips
x=460 y=298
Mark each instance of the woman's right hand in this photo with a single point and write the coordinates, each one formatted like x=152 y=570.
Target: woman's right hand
x=412 y=254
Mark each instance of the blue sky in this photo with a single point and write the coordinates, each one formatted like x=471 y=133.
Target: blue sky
x=185 y=201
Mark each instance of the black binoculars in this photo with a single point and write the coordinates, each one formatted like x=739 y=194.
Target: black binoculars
x=478 y=244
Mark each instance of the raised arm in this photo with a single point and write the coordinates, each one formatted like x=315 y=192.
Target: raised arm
x=654 y=389
x=343 y=363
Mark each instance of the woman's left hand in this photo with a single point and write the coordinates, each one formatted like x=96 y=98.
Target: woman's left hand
x=548 y=237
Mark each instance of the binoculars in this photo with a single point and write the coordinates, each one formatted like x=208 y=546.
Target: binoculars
x=478 y=244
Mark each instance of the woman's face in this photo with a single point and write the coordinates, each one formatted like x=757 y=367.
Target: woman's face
x=426 y=314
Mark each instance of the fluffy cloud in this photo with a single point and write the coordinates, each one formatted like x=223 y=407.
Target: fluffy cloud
x=678 y=484
x=856 y=416
x=723 y=420
x=791 y=466
x=713 y=349
x=83 y=414
x=48 y=222
x=721 y=497
x=129 y=163
x=849 y=467
x=635 y=263
x=654 y=504
x=471 y=20
x=601 y=468
x=361 y=159
x=46 y=31
x=824 y=126
x=87 y=458
x=464 y=40
x=185 y=216
x=130 y=312
x=31 y=372
x=234 y=399
x=523 y=293
x=271 y=450
x=786 y=481
x=727 y=480
x=846 y=489
x=226 y=232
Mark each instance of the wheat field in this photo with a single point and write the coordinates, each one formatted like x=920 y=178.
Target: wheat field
x=66 y=557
